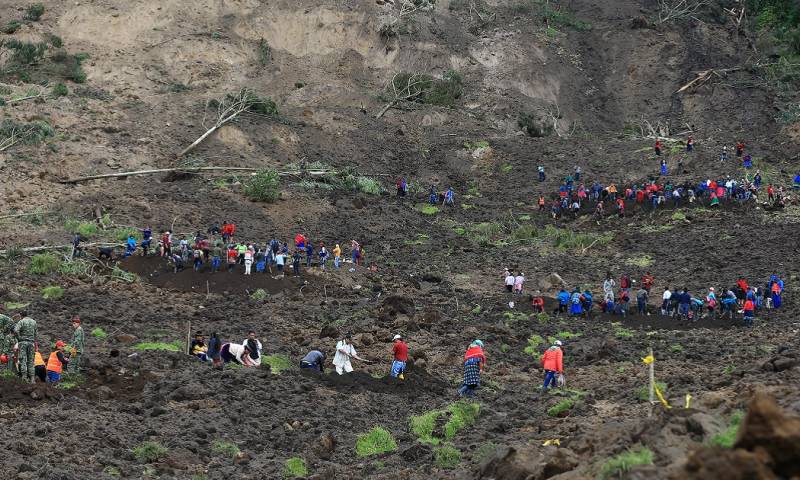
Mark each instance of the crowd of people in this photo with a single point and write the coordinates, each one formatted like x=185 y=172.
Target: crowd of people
x=742 y=298
x=19 y=350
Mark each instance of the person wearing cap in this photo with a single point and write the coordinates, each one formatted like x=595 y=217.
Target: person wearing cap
x=25 y=330
x=400 y=352
x=344 y=352
x=77 y=343
x=6 y=338
x=552 y=362
x=56 y=363
x=314 y=360
x=474 y=361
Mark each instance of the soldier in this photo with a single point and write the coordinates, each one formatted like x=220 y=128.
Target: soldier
x=77 y=343
x=7 y=340
x=25 y=330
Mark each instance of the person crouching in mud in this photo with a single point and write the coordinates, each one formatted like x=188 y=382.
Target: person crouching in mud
x=235 y=353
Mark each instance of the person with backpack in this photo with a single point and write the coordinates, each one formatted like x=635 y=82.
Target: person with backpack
x=576 y=303
x=563 y=301
x=553 y=365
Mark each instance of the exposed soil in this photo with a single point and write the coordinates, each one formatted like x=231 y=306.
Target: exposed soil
x=154 y=64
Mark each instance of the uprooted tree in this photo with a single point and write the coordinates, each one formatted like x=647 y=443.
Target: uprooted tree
x=423 y=88
x=227 y=109
x=675 y=9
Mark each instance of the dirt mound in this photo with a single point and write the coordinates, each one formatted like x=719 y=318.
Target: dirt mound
x=414 y=383
x=527 y=463
x=766 y=429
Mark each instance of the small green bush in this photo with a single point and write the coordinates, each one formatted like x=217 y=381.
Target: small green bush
x=176 y=346
x=462 y=415
x=295 y=467
x=447 y=457
x=264 y=52
x=423 y=425
x=264 y=186
x=52 y=292
x=534 y=342
x=11 y=27
x=228 y=449
x=34 y=12
x=567 y=335
x=87 y=229
x=277 y=363
x=616 y=467
x=122 y=234
x=428 y=209
x=98 y=333
x=60 y=90
x=259 y=295
x=44 y=263
x=370 y=186
x=378 y=440
x=643 y=392
x=560 y=407
x=727 y=438
x=149 y=452
x=622 y=332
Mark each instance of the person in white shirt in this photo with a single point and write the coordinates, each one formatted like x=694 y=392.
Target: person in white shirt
x=254 y=347
x=666 y=305
x=509 y=280
x=248 y=260
x=518 y=281
x=345 y=351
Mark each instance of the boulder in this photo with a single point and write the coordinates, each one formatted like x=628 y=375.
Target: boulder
x=509 y=463
x=767 y=429
x=551 y=282
x=708 y=463
x=324 y=446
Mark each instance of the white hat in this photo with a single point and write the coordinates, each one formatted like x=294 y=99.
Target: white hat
x=557 y=343
x=397 y=337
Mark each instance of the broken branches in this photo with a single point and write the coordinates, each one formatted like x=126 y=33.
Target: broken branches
x=674 y=9
x=405 y=88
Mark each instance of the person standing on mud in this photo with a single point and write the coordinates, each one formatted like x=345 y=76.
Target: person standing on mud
x=214 y=347
x=309 y=254
x=608 y=286
x=297 y=259
x=7 y=339
x=509 y=281
x=345 y=351
x=553 y=365
x=25 y=331
x=641 y=300
x=337 y=256
x=400 y=353
x=474 y=361
x=78 y=343
x=56 y=363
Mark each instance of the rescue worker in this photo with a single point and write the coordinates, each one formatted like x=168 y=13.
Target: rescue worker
x=56 y=363
x=78 y=343
x=553 y=365
x=7 y=339
x=39 y=366
x=25 y=330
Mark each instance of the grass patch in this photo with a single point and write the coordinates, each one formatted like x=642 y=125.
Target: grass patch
x=427 y=89
x=423 y=425
x=727 y=438
x=52 y=292
x=228 y=449
x=277 y=363
x=676 y=348
x=678 y=217
x=428 y=209
x=122 y=234
x=369 y=186
x=476 y=145
x=617 y=466
x=98 y=332
x=534 y=342
x=259 y=295
x=149 y=452
x=567 y=335
x=44 y=263
x=462 y=415
x=729 y=369
x=376 y=441
x=643 y=392
x=16 y=305
x=34 y=12
x=11 y=27
x=640 y=261
x=176 y=346
x=622 y=332
x=447 y=457
x=264 y=186
x=295 y=467
x=561 y=407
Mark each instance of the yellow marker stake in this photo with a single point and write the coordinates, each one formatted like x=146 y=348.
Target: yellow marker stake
x=554 y=441
x=661 y=397
x=688 y=400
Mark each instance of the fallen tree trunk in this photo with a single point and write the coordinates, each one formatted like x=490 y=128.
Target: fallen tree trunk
x=181 y=169
x=45 y=248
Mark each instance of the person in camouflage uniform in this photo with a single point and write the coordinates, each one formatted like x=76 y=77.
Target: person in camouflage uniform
x=7 y=340
x=25 y=330
x=77 y=344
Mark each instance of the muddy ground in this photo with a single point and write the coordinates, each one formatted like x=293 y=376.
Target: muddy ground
x=153 y=65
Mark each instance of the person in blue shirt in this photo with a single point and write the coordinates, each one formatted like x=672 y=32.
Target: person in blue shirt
x=747 y=162
x=576 y=303
x=130 y=246
x=309 y=253
x=563 y=301
x=587 y=303
x=797 y=182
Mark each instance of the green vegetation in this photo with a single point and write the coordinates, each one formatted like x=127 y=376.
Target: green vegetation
x=98 y=332
x=264 y=186
x=263 y=52
x=85 y=229
x=729 y=369
x=447 y=457
x=427 y=89
x=228 y=449
x=34 y=12
x=643 y=392
x=52 y=292
x=277 y=363
x=676 y=348
x=423 y=425
x=259 y=295
x=121 y=234
x=622 y=332
x=616 y=467
x=534 y=342
x=44 y=263
x=561 y=407
x=641 y=261
x=30 y=133
x=369 y=186
x=428 y=209
x=176 y=346
x=484 y=452
x=542 y=318
x=15 y=305
x=476 y=145
x=566 y=335
x=295 y=467
x=11 y=27
x=149 y=452
x=59 y=90
x=550 y=14
x=461 y=415
x=123 y=275
x=376 y=441
x=727 y=438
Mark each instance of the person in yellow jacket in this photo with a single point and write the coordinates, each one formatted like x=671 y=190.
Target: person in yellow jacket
x=337 y=255
x=56 y=363
x=38 y=366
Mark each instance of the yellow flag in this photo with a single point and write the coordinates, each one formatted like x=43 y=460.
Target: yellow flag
x=553 y=441
x=648 y=359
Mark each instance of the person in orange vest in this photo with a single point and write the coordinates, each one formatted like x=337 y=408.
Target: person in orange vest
x=553 y=364
x=39 y=368
x=749 y=312
x=541 y=203
x=56 y=363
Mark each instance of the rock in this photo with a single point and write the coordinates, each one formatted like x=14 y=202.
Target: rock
x=714 y=399
x=431 y=277
x=551 y=282
x=561 y=461
x=508 y=463
x=766 y=428
x=416 y=452
x=126 y=338
x=329 y=331
x=421 y=364
x=101 y=393
x=708 y=463
x=325 y=446
x=704 y=424
x=396 y=304
x=365 y=339
x=35 y=395
x=785 y=363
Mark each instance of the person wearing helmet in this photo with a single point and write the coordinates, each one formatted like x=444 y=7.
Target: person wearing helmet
x=56 y=363
x=6 y=339
x=400 y=352
x=474 y=361
x=552 y=362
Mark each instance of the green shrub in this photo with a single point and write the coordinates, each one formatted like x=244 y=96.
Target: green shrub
x=121 y=234
x=484 y=452
x=259 y=295
x=641 y=261
x=428 y=209
x=98 y=333
x=149 y=452
x=87 y=229
x=727 y=438
x=446 y=91
x=643 y=392
x=534 y=342
x=52 y=292
x=15 y=305
x=423 y=425
x=277 y=363
x=44 y=263
x=295 y=467
x=11 y=27
x=378 y=440
x=176 y=346
x=370 y=186
x=447 y=457
x=616 y=467
x=560 y=407
x=622 y=332
x=462 y=415
x=76 y=268
x=228 y=449
x=567 y=335
x=264 y=52
x=264 y=186
x=34 y=12
x=60 y=90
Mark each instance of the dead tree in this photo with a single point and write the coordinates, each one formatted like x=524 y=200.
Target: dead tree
x=404 y=87
x=674 y=9
x=17 y=135
x=407 y=7
x=227 y=109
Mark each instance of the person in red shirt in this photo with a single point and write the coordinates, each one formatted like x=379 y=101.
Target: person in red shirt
x=740 y=295
x=739 y=149
x=658 y=147
x=474 y=360
x=541 y=203
x=228 y=229
x=770 y=192
x=749 y=311
x=538 y=303
x=621 y=207
x=553 y=364
x=640 y=196
x=400 y=351
x=647 y=281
